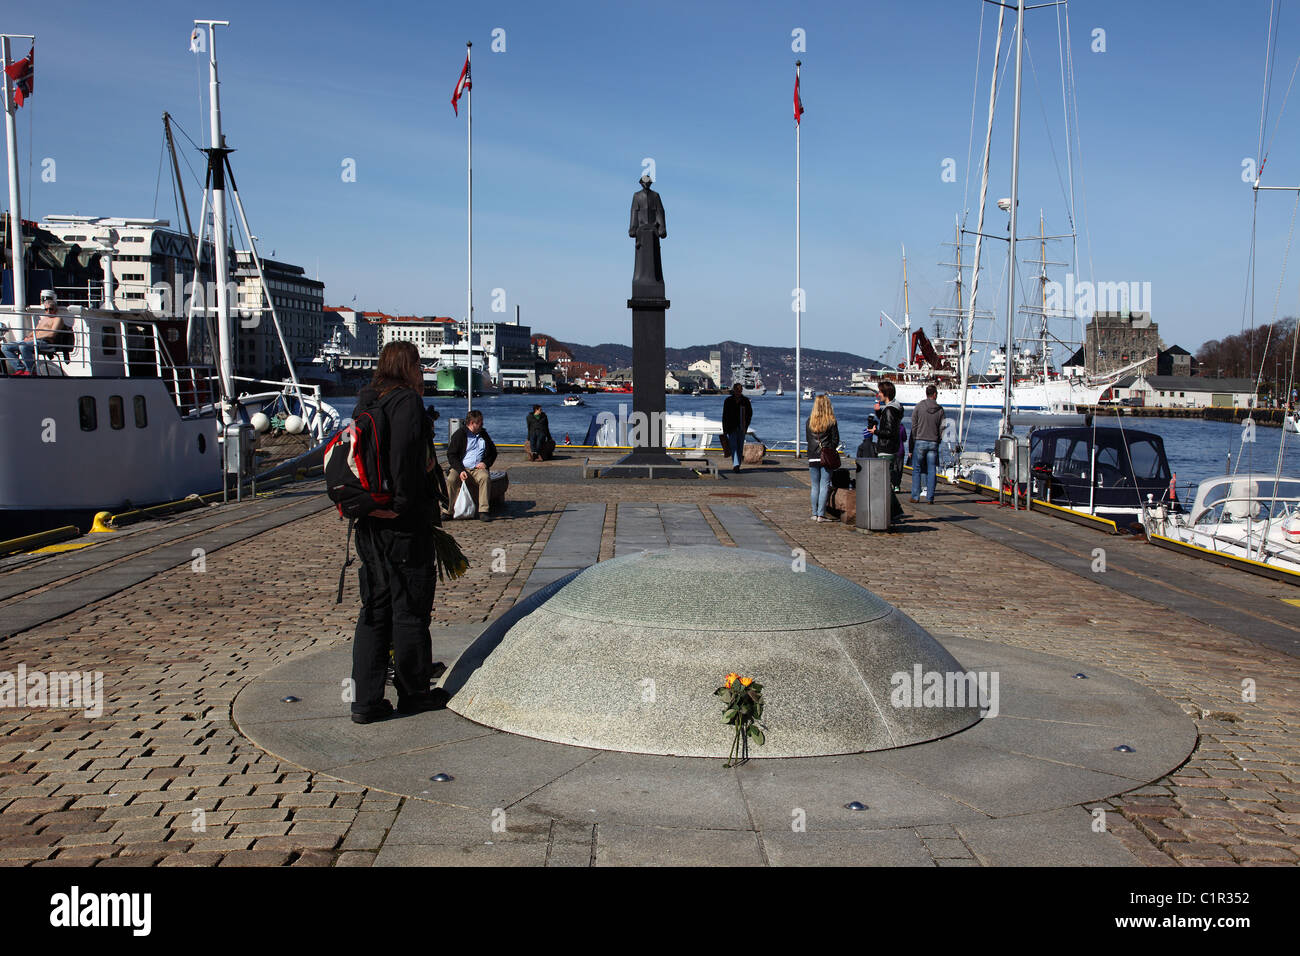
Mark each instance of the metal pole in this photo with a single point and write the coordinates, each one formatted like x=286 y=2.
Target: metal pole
x=798 y=289
x=221 y=267
x=15 y=207
x=979 y=237
x=1008 y=374
x=469 y=289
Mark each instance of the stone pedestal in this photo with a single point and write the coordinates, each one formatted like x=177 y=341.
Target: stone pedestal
x=648 y=459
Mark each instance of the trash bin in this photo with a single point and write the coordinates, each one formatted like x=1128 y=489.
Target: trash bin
x=453 y=426
x=875 y=494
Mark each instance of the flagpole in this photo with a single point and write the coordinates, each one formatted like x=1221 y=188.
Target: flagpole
x=469 y=288
x=798 y=285
x=15 y=208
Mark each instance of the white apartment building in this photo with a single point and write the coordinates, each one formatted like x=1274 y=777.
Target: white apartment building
x=429 y=333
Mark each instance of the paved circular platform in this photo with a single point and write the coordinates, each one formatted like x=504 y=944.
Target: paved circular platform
x=627 y=654
x=1050 y=746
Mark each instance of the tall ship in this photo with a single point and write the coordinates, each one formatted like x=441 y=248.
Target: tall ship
x=120 y=408
x=1036 y=385
x=749 y=375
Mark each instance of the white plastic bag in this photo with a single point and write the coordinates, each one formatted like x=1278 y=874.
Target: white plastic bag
x=465 y=507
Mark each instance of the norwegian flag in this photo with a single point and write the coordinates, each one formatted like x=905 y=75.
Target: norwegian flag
x=798 y=101
x=462 y=85
x=23 y=73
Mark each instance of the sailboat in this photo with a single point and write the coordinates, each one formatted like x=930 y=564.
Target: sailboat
x=117 y=415
x=1250 y=519
x=779 y=389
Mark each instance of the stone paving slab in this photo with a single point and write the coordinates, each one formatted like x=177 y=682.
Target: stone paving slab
x=1063 y=838
x=641 y=846
x=748 y=530
x=855 y=848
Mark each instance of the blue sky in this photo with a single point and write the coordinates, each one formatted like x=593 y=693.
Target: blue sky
x=584 y=91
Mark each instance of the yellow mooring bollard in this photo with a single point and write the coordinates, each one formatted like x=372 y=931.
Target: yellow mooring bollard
x=103 y=522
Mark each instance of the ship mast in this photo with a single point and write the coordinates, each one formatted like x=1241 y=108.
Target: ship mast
x=907 y=319
x=221 y=267
x=969 y=330
x=1008 y=373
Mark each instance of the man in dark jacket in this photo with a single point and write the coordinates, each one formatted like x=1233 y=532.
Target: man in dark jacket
x=470 y=453
x=736 y=416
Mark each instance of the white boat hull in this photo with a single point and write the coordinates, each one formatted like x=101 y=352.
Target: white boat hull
x=1026 y=397
x=51 y=463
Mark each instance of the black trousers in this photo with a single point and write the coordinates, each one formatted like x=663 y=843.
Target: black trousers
x=397 y=589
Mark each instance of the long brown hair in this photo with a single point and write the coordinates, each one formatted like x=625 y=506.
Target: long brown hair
x=399 y=366
x=823 y=416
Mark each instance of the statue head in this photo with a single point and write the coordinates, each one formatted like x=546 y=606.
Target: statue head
x=646 y=181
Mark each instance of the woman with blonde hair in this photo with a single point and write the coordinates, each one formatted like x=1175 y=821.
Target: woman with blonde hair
x=822 y=433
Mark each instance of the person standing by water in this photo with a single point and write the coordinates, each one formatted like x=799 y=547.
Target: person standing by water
x=821 y=432
x=927 y=430
x=396 y=547
x=737 y=413
x=540 y=443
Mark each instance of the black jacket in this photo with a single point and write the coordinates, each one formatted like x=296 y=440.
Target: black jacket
x=539 y=428
x=733 y=411
x=456 y=449
x=891 y=417
x=819 y=440
x=409 y=438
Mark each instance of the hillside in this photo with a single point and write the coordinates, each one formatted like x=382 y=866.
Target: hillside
x=821 y=369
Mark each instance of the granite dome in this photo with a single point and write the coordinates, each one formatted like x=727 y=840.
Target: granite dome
x=626 y=656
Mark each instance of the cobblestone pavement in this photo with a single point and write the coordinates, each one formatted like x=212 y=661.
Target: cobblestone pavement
x=163 y=778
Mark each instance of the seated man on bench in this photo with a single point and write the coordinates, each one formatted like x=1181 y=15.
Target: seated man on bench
x=470 y=453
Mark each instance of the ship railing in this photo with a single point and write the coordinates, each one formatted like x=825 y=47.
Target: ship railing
x=193 y=388
x=89 y=296
x=92 y=345
x=1257 y=507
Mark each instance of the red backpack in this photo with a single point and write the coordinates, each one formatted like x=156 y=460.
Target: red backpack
x=354 y=467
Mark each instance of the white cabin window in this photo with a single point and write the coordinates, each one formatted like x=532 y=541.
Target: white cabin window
x=110 y=340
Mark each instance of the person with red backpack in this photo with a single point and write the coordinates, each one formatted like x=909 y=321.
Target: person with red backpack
x=394 y=534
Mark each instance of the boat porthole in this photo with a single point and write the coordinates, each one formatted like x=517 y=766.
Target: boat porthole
x=203 y=444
